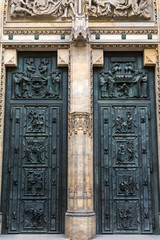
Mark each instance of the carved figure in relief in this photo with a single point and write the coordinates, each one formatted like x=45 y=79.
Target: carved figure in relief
x=18 y=6
x=119 y=121
x=18 y=84
x=59 y=8
x=124 y=123
x=37 y=82
x=126 y=216
x=34 y=183
x=111 y=82
x=34 y=151
x=26 y=87
x=50 y=91
x=130 y=150
x=125 y=152
x=117 y=8
x=129 y=68
x=103 y=85
x=127 y=186
x=121 y=153
x=116 y=68
x=56 y=84
x=37 y=121
x=129 y=121
x=123 y=81
x=144 y=85
x=136 y=86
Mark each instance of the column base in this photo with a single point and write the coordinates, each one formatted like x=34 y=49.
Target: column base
x=80 y=226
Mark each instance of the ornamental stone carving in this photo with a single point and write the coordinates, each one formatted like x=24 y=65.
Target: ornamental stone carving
x=80 y=121
x=60 y=8
x=80 y=31
x=93 y=8
x=117 y=8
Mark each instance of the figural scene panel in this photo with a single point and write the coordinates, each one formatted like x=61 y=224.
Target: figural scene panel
x=60 y=10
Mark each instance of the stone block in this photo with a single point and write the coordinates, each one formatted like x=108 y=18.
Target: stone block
x=63 y=58
x=149 y=57
x=10 y=57
x=97 y=56
x=80 y=226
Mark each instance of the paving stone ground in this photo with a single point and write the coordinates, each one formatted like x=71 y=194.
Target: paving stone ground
x=60 y=237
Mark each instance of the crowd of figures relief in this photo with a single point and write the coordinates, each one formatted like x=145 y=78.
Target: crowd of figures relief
x=94 y=8
x=123 y=81
x=55 y=8
x=37 y=81
x=117 y=8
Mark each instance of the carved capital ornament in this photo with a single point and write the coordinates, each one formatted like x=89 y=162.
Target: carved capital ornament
x=80 y=122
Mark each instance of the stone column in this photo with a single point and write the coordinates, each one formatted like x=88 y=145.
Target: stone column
x=80 y=220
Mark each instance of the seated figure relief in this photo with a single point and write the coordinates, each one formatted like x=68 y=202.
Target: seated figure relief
x=117 y=8
x=55 y=8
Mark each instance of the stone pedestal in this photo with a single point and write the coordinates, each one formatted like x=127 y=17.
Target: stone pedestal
x=80 y=217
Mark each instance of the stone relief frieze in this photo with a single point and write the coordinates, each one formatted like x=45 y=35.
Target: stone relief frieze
x=93 y=8
x=117 y=8
x=60 y=8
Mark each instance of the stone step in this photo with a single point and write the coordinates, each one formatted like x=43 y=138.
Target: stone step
x=60 y=237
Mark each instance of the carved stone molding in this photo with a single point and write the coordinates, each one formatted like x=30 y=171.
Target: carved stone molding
x=122 y=46
x=6 y=5
x=124 y=31
x=80 y=31
x=2 y=91
x=97 y=57
x=36 y=31
x=149 y=57
x=36 y=46
x=10 y=57
x=80 y=122
x=62 y=57
x=158 y=80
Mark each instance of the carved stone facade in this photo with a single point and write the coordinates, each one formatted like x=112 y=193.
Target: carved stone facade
x=80 y=31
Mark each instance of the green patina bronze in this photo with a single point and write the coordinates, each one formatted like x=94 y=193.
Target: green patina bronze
x=125 y=146
x=35 y=153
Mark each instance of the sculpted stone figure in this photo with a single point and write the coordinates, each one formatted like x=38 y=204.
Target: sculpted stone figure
x=55 y=8
x=117 y=8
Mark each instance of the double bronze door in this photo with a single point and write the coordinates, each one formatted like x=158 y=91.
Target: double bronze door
x=125 y=146
x=35 y=152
